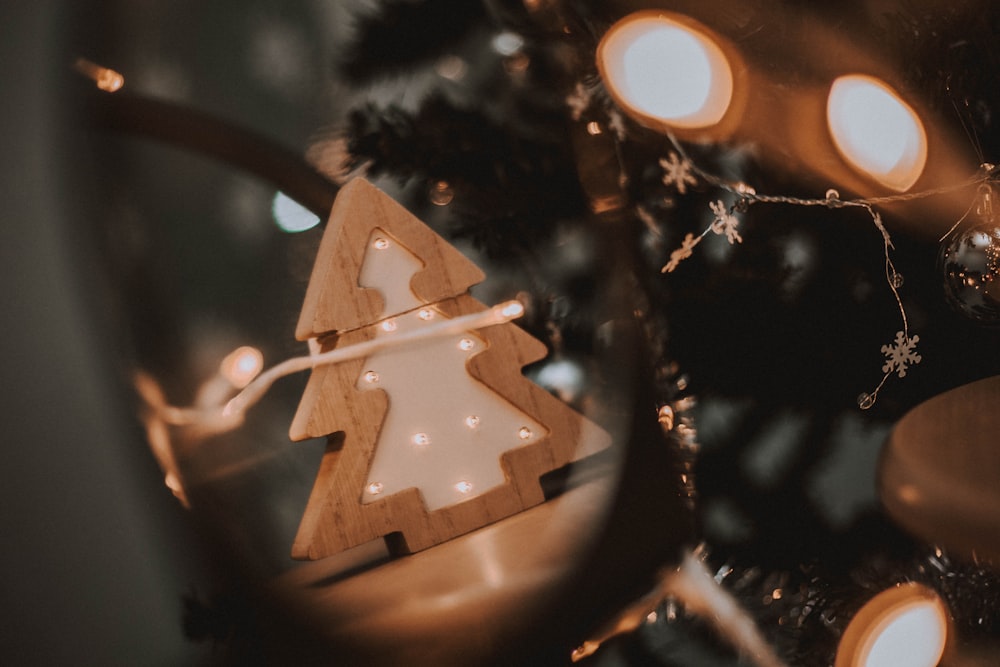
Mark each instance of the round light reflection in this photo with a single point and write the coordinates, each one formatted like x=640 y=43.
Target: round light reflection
x=876 y=132
x=665 y=70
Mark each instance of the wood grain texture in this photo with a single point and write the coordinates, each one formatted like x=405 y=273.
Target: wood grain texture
x=335 y=518
x=334 y=300
x=939 y=475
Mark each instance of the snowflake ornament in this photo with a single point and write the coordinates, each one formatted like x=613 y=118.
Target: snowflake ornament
x=725 y=222
x=682 y=253
x=900 y=354
x=677 y=172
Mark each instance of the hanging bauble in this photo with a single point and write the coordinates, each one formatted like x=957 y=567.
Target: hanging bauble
x=969 y=258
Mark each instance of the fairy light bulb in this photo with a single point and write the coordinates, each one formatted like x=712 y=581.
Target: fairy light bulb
x=511 y=309
x=666 y=71
x=876 y=132
x=421 y=439
x=464 y=487
x=905 y=625
x=241 y=366
x=104 y=78
x=466 y=344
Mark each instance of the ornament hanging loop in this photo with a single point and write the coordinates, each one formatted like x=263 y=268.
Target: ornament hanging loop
x=984 y=202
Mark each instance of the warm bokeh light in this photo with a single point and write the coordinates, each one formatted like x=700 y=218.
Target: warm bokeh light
x=241 y=366
x=291 y=216
x=876 y=132
x=666 y=70
x=106 y=79
x=905 y=625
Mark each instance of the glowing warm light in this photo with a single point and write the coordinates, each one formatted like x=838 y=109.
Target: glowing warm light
x=106 y=79
x=426 y=314
x=463 y=487
x=524 y=433
x=472 y=421
x=292 y=216
x=389 y=325
x=374 y=488
x=466 y=344
x=421 y=439
x=241 y=366
x=512 y=309
x=906 y=625
x=380 y=243
x=666 y=70
x=371 y=377
x=876 y=132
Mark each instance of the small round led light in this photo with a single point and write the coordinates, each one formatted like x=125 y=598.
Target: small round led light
x=512 y=309
x=374 y=488
x=666 y=70
x=380 y=243
x=472 y=421
x=426 y=314
x=463 y=486
x=524 y=433
x=421 y=439
x=371 y=377
x=466 y=344
x=389 y=325
x=876 y=132
x=242 y=365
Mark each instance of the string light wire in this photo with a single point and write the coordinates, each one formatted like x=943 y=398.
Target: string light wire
x=746 y=196
x=231 y=415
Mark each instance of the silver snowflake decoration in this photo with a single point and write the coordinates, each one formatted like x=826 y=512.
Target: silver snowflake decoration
x=725 y=222
x=677 y=172
x=900 y=354
x=682 y=253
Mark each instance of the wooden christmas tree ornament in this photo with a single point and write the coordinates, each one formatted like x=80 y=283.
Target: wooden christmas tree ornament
x=427 y=440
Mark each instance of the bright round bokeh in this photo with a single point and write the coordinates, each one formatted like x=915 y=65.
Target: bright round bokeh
x=905 y=625
x=666 y=70
x=876 y=132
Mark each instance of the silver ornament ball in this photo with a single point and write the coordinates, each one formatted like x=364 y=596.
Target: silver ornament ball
x=970 y=262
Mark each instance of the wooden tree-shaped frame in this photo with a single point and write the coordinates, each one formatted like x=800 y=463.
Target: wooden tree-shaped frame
x=339 y=312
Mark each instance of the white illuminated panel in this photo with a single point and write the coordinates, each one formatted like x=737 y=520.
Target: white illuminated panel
x=444 y=431
x=876 y=132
